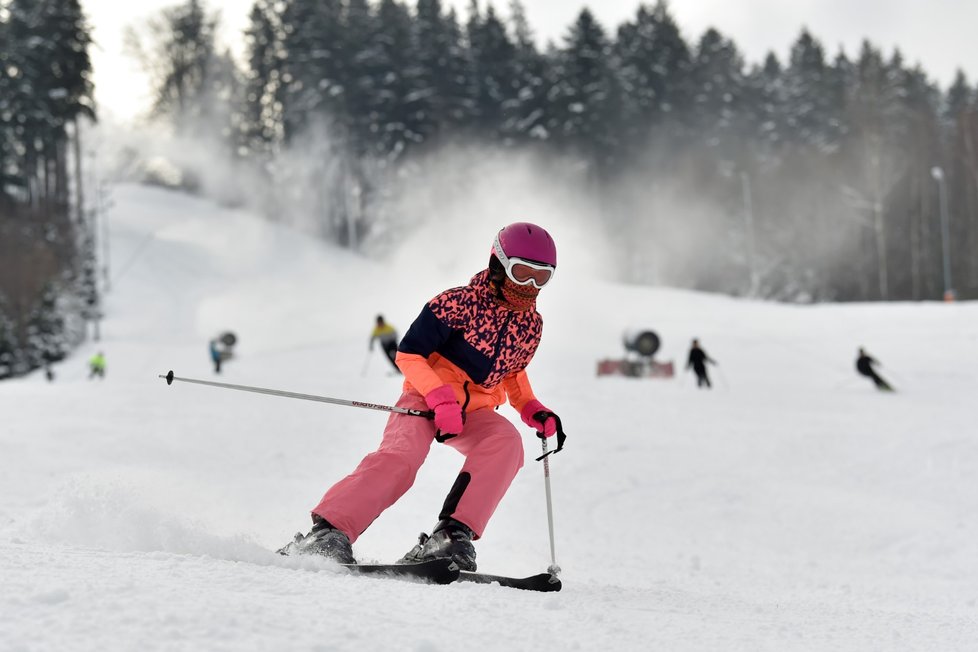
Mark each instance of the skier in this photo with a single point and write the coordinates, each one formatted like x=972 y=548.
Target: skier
x=96 y=366
x=697 y=360
x=864 y=365
x=216 y=356
x=388 y=340
x=463 y=356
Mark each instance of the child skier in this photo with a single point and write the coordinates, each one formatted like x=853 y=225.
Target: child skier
x=96 y=366
x=463 y=356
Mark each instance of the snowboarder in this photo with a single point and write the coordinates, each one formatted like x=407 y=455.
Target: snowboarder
x=864 y=365
x=96 y=366
x=388 y=340
x=697 y=360
x=463 y=356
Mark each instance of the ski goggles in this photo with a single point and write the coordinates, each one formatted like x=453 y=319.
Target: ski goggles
x=522 y=271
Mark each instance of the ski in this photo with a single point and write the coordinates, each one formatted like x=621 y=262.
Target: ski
x=436 y=571
x=542 y=582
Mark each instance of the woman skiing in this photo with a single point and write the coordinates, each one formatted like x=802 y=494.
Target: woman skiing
x=463 y=356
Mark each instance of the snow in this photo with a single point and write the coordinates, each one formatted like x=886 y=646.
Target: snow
x=791 y=508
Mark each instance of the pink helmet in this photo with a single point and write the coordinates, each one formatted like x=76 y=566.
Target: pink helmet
x=527 y=241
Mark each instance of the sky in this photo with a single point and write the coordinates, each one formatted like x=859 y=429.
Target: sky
x=791 y=508
x=937 y=33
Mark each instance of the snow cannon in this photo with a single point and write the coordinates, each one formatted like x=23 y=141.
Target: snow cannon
x=640 y=349
x=644 y=343
x=226 y=340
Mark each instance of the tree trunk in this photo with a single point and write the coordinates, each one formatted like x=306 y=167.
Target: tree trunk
x=879 y=227
x=79 y=178
x=971 y=194
x=916 y=217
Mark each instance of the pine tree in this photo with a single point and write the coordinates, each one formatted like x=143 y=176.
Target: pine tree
x=587 y=97
x=261 y=113
x=525 y=115
x=444 y=74
x=45 y=84
x=47 y=77
x=873 y=153
x=313 y=74
x=961 y=127
x=718 y=88
x=8 y=161
x=185 y=54
x=362 y=68
x=654 y=60
x=67 y=30
x=9 y=347
x=494 y=74
x=766 y=87
x=809 y=112
x=46 y=330
x=400 y=107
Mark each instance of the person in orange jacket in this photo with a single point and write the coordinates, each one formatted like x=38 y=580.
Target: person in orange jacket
x=464 y=355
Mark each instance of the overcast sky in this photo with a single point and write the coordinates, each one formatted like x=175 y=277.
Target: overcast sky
x=940 y=34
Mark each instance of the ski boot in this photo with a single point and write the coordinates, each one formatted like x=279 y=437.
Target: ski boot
x=323 y=539
x=449 y=540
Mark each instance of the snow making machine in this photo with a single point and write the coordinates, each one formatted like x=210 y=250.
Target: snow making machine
x=640 y=349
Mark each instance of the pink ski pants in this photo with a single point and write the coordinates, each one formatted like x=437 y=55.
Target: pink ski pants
x=493 y=453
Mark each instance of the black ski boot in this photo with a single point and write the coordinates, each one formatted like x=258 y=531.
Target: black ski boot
x=450 y=540
x=323 y=539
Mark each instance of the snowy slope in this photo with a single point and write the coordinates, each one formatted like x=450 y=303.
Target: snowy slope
x=791 y=508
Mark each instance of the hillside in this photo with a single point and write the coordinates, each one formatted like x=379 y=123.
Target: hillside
x=791 y=508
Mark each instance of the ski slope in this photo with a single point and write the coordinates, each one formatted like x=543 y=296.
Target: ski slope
x=791 y=508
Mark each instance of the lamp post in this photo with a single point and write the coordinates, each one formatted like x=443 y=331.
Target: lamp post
x=938 y=173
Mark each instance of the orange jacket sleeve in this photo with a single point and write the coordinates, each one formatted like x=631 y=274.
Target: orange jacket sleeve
x=518 y=390
x=418 y=372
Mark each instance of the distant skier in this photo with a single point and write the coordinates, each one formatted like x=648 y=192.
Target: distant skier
x=96 y=366
x=864 y=365
x=221 y=349
x=216 y=356
x=463 y=356
x=388 y=340
x=697 y=360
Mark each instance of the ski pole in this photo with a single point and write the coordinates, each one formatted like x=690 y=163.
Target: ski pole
x=554 y=569
x=427 y=414
x=723 y=377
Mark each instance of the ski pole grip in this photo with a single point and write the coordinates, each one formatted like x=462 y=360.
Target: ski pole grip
x=561 y=437
x=441 y=437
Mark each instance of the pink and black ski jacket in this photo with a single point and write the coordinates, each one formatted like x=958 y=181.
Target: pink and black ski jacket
x=465 y=335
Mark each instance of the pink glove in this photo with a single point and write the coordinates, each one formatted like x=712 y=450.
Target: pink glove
x=448 y=413
x=545 y=422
